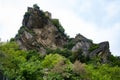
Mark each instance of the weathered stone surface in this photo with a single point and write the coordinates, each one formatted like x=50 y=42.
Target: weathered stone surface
x=82 y=43
x=85 y=44
x=34 y=18
x=103 y=51
x=40 y=33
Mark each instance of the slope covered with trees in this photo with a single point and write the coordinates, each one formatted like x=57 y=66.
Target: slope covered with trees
x=42 y=51
x=18 y=64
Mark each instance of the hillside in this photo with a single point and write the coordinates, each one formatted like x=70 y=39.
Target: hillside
x=42 y=51
x=40 y=32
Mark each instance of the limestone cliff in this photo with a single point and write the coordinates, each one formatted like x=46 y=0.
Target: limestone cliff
x=39 y=31
x=90 y=49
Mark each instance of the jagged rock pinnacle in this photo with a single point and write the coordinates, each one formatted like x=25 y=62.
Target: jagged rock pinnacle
x=39 y=31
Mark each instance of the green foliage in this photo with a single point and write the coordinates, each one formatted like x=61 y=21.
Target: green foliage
x=22 y=29
x=18 y=64
x=114 y=60
x=54 y=76
x=70 y=44
x=27 y=14
x=12 y=39
x=78 y=55
x=95 y=60
x=93 y=47
x=61 y=71
x=51 y=59
x=64 y=52
x=58 y=25
x=35 y=6
x=103 y=72
x=17 y=36
x=26 y=18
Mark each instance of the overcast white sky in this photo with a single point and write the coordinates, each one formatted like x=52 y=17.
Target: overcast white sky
x=98 y=20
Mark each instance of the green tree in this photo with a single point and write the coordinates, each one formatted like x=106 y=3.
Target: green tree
x=51 y=59
x=35 y=6
x=20 y=65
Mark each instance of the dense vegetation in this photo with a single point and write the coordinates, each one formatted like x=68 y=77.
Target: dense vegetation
x=18 y=64
x=57 y=64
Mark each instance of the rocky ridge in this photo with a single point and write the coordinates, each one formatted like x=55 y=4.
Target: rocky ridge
x=39 y=31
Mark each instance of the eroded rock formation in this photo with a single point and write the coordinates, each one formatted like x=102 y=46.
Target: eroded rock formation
x=39 y=31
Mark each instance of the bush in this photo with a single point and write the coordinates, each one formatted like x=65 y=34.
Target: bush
x=64 y=52
x=58 y=25
x=18 y=64
x=103 y=72
x=26 y=18
x=61 y=71
x=69 y=44
x=12 y=39
x=114 y=60
x=51 y=59
x=78 y=55
x=79 y=68
x=27 y=14
x=35 y=6
x=93 y=47
x=21 y=30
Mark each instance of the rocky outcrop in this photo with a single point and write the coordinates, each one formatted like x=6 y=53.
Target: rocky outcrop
x=34 y=18
x=82 y=43
x=90 y=49
x=102 y=51
x=39 y=32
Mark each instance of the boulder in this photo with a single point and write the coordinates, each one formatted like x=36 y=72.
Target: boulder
x=90 y=49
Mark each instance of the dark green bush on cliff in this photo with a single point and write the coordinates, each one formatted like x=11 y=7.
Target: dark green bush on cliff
x=78 y=55
x=27 y=14
x=35 y=6
x=93 y=47
x=58 y=25
x=114 y=60
x=22 y=30
x=70 y=44
x=64 y=52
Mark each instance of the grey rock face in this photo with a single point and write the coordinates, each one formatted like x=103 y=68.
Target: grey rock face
x=39 y=32
x=34 y=18
x=82 y=43
x=103 y=51
x=85 y=44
